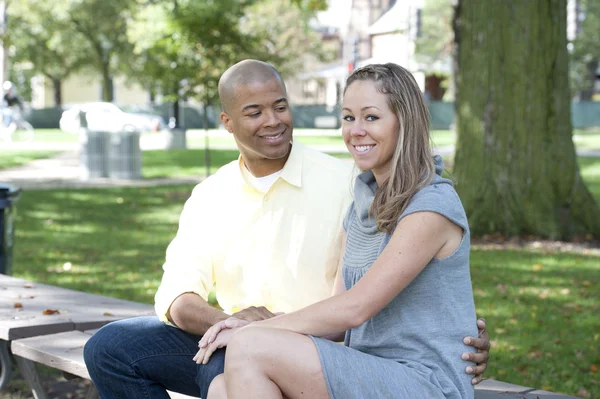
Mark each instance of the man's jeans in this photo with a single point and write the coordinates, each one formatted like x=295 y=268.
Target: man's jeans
x=142 y=358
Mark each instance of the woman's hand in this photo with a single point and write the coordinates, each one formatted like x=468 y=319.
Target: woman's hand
x=221 y=341
x=217 y=337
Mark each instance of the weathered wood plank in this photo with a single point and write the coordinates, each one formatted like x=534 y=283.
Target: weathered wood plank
x=492 y=389
x=63 y=351
x=25 y=306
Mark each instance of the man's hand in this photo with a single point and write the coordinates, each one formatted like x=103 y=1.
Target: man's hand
x=481 y=357
x=254 y=314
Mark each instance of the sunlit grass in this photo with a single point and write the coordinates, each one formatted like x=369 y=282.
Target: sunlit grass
x=10 y=158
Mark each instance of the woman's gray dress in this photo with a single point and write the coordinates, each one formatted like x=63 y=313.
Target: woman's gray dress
x=412 y=348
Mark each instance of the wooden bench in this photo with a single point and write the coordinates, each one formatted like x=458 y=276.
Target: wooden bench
x=64 y=351
x=57 y=340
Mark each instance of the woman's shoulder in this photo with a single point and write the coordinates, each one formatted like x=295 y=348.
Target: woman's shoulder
x=439 y=197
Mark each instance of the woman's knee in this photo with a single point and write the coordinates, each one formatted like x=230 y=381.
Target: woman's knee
x=249 y=345
x=217 y=388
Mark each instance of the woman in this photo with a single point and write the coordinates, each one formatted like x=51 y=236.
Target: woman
x=403 y=297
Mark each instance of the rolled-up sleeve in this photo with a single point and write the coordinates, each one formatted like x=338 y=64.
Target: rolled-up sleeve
x=188 y=265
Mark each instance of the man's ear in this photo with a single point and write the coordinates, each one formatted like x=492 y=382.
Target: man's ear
x=226 y=120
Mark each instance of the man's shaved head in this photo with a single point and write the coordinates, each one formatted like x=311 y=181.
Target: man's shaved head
x=244 y=73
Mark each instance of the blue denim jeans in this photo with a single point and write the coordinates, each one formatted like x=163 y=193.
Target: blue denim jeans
x=142 y=358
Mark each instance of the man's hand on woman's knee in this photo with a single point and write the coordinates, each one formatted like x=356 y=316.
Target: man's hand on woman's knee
x=481 y=357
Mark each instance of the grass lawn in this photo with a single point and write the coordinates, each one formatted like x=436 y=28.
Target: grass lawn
x=541 y=306
x=11 y=158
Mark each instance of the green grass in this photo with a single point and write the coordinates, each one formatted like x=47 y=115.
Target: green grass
x=11 y=158
x=590 y=171
x=587 y=139
x=180 y=163
x=542 y=311
x=115 y=239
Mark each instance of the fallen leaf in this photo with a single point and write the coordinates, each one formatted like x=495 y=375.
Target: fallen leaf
x=586 y=283
x=28 y=285
x=18 y=305
x=537 y=267
x=50 y=311
x=594 y=368
x=108 y=314
x=583 y=393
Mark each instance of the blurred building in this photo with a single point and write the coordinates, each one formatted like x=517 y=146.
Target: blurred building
x=82 y=88
x=371 y=31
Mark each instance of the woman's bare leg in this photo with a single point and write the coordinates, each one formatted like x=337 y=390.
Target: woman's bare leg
x=217 y=389
x=272 y=363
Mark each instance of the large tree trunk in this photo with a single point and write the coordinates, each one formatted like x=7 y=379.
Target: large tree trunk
x=515 y=165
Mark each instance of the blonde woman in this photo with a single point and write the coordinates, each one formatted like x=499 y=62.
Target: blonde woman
x=403 y=298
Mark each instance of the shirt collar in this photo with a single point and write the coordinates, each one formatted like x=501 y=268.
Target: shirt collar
x=292 y=170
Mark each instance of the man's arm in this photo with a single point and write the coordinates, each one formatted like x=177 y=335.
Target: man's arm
x=191 y=313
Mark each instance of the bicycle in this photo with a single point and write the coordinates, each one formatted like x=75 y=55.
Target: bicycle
x=14 y=125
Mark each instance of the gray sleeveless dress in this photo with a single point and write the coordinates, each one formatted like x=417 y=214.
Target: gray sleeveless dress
x=412 y=348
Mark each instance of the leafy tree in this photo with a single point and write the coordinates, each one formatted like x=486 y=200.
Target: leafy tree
x=515 y=163
x=42 y=37
x=103 y=25
x=287 y=41
x=585 y=57
x=434 y=45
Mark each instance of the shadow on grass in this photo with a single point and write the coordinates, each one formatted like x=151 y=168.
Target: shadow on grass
x=110 y=241
x=541 y=310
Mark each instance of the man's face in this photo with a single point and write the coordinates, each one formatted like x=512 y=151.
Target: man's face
x=261 y=121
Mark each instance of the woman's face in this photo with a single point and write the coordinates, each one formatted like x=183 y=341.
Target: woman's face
x=370 y=128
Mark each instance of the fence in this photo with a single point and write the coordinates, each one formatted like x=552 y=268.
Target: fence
x=583 y=115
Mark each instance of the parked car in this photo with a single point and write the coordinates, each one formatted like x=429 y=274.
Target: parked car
x=105 y=116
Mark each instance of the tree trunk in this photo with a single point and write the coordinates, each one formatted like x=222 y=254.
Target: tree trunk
x=587 y=93
x=206 y=139
x=57 y=87
x=107 y=84
x=515 y=165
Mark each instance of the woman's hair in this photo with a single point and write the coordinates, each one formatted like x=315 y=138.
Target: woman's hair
x=412 y=164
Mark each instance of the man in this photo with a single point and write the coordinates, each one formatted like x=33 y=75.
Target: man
x=265 y=228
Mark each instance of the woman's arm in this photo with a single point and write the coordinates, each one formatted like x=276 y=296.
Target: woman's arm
x=339 y=287
x=417 y=239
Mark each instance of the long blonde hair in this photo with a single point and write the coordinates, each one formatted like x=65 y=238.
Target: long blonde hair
x=412 y=164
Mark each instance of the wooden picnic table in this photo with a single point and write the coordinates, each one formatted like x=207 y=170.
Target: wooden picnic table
x=30 y=309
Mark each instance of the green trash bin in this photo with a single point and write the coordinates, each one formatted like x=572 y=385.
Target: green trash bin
x=9 y=195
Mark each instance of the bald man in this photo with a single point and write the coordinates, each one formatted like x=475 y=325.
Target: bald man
x=266 y=229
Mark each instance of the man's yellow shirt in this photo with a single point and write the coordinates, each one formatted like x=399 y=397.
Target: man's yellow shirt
x=278 y=249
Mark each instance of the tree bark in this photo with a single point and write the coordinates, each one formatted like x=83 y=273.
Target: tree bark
x=107 y=84
x=57 y=87
x=515 y=166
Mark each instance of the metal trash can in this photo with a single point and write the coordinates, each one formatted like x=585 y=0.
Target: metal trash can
x=93 y=150
x=124 y=155
x=9 y=195
x=93 y=155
